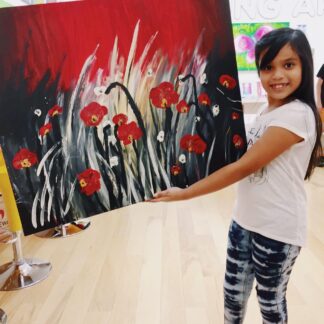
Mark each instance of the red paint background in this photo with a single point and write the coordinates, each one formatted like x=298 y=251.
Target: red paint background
x=61 y=36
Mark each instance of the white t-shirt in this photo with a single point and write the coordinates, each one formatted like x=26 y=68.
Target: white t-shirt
x=272 y=201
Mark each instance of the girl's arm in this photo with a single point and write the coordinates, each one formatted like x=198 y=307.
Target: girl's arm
x=273 y=142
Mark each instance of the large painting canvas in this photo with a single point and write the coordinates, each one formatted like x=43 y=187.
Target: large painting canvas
x=103 y=103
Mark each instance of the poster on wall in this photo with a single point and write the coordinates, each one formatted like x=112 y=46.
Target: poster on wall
x=103 y=103
x=245 y=37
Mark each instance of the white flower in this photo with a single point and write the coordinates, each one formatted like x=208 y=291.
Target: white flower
x=180 y=77
x=38 y=112
x=113 y=161
x=107 y=122
x=149 y=72
x=203 y=79
x=99 y=90
x=160 y=136
x=112 y=139
x=216 y=110
x=197 y=119
x=182 y=159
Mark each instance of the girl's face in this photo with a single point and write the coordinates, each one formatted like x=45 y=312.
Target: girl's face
x=281 y=77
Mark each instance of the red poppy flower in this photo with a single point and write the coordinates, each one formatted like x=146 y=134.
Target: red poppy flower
x=238 y=141
x=175 y=170
x=193 y=143
x=24 y=159
x=55 y=110
x=227 y=81
x=235 y=115
x=183 y=107
x=45 y=129
x=164 y=95
x=93 y=114
x=120 y=119
x=204 y=99
x=127 y=133
x=89 y=181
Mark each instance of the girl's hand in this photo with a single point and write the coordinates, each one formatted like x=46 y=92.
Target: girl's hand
x=172 y=194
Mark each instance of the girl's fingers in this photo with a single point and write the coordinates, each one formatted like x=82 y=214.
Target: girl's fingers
x=160 y=194
x=171 y=194
x=158 y=197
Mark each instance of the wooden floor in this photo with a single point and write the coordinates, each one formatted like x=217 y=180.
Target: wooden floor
x=157 y=263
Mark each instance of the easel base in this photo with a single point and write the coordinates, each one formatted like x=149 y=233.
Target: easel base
x=14 y=276
x=3 y=317
x=65 y=230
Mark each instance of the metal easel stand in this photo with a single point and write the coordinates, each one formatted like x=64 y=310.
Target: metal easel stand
x=21 y=273
x=65 y=230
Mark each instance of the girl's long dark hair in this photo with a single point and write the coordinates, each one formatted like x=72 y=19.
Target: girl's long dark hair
x=272 y=43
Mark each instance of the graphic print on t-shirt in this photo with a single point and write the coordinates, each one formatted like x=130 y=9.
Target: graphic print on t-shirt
x=260 y=176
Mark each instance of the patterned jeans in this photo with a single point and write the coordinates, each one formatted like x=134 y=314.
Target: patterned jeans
x=251 y=255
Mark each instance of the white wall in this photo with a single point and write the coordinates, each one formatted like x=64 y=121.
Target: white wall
x=307 y=15
x=29 y=2
x=16 y=2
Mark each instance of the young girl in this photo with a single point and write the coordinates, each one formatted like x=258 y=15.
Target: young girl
x=269 y=219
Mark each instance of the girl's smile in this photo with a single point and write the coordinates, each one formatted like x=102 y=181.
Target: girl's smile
x=278 y=86
x=282 y=76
